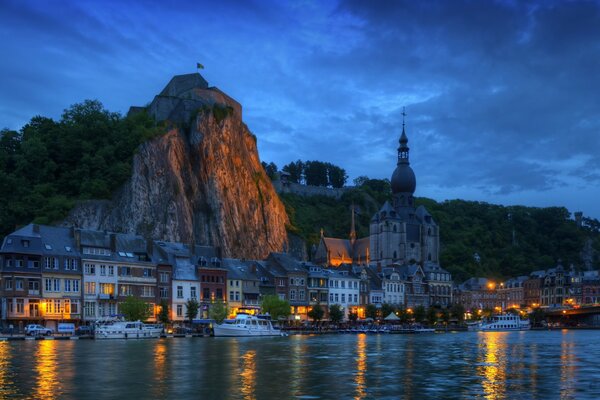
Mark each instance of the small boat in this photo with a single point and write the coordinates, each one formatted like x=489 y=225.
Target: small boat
x=501 y=323
x=246 y=325
x=128 y=330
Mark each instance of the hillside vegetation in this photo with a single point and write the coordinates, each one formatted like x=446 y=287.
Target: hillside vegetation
x=510 y=241
x=48 y=165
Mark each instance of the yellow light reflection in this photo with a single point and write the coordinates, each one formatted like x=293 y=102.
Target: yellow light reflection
x=361 y=367
x=160 y=367
x=567 y=366
x=7 y=386
x=248 y=375
x=492 y=366
x=47 y=384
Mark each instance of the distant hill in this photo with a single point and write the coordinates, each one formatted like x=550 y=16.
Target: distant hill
x=541 y=237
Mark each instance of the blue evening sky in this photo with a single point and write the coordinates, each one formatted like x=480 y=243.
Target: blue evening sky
x=502 y=97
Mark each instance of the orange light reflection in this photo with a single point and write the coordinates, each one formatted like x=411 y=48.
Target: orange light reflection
x=361 y=367
x=492 y=366
x=47 y=384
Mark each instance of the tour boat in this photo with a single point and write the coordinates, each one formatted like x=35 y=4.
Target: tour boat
x=128 y=330
x=247 y=325
x=503 y=322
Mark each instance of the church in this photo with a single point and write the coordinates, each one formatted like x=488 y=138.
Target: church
x=400 y=235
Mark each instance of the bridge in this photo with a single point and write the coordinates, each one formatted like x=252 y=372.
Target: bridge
x=580 y=316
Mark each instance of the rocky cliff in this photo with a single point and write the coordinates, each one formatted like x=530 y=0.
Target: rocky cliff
x=201 y=182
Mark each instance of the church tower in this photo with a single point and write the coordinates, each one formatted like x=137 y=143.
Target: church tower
x=403 y=180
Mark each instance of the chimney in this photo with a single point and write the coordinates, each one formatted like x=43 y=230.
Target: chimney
x=36 y=228
x=149 y=247
x=113 y=242
x=77 y=235
x=253 y=268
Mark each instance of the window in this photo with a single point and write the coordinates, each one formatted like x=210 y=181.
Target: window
x=193 y=294
x=90 y=269
x=47 y=263
x=147 y=272
x=25 y=243
x=292 y=280
x=331 y=297
x=73 y=264
x=231 y=296
x=67 y=285
x=66 y=264
x=107 y=288
x=96 y=251
x=20 y=306
x=55 y=262
x=356 y=298
x=90 y=287
x=89 y=308
x=103 y=270
x=48 y=285
x=164 y=277
x=75 y=285
x=125 y=271
x=164 y=292
x=111 y=270
x=343 y=297
x=219 y=294
x=19 y=284
x=19 y=263
x=343 y=284
x=180 y=292
x=292 y=294
x=301 y=294
x=206 y=293
x=337 y=298
x=74 y=307
x=8 y=284
x=237 y=296
x=180 y=310
x=148 y=291
x=56 y=285
x=125 y=290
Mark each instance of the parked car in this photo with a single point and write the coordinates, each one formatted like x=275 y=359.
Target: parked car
x=35 y=330
x=84 y=330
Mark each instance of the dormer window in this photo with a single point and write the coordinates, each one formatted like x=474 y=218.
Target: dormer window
x=25 y=243
x=68 y=249
x=48 y=247
x=202 y=262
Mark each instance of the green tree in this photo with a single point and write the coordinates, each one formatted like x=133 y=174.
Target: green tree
x=336 y=176
x=315 y=173
x=445 y=315
x=296 y=171
x=218 y=311
x=134 y=309
x=191 y=309
x=163 y=315
x=386 y=309
x=316 y=313
x=419 y=314
x=457 y=312
x=371 y=311
x=336 y=314
x=270 y=169
x=275 y=307
x=536 y=316
x=432 y=315
x=352 y=317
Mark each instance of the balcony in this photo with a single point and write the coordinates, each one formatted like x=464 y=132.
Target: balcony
x=33 y=292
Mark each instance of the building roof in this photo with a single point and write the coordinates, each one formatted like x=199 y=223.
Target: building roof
x=43 y=240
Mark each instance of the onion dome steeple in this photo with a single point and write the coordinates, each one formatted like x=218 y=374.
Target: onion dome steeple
x=403 y=180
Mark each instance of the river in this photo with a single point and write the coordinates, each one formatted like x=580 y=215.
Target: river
x=493 y=365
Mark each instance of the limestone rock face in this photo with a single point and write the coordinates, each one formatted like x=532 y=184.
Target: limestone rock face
x=201 y=182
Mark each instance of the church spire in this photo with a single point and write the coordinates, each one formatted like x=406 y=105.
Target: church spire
x=403 y=148
x=352 y=230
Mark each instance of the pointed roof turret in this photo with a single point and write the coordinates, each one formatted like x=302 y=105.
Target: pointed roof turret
x=403 y=178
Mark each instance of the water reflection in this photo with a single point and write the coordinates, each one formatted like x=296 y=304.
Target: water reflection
x=492 y=364
x=360 y=378
x=46 y=366
x=567 y=366
x=160 y=368
x=408 y=372
x=7 y=387
x=248 y=375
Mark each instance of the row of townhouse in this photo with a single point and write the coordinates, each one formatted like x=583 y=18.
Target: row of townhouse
x=551 y=288
x=53 y=274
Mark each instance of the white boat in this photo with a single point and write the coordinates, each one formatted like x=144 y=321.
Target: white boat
x=502 y=322
x=128 y=330
x=247 y=325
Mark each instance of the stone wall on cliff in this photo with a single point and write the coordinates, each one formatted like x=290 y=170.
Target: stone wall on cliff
x=201 y=182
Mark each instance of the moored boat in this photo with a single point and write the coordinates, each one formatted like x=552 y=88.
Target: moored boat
x=502 y=322
x=247 y=325
x=128 y=330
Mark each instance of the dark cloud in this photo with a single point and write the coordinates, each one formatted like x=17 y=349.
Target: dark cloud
x=501 y=95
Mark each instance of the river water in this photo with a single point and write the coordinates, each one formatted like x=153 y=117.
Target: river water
x=494 y=365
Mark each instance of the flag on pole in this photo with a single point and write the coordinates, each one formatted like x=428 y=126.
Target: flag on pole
x=199 y=66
